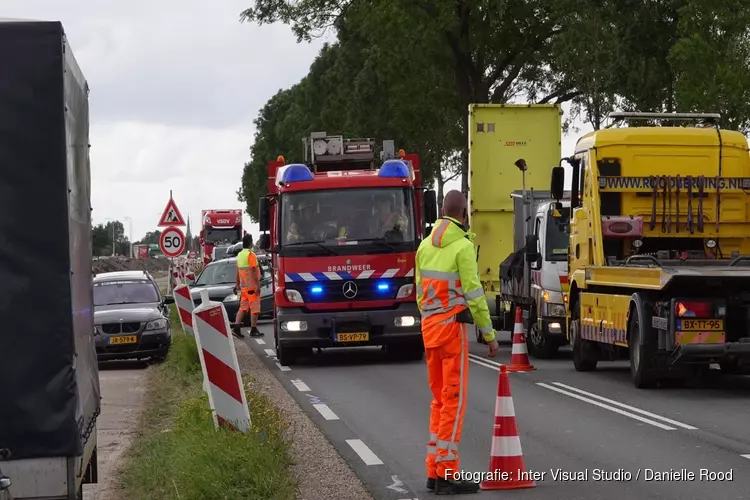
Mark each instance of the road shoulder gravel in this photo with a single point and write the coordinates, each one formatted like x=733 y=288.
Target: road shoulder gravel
x=321 y=472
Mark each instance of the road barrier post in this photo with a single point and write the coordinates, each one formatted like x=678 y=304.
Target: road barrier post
x=221 y=370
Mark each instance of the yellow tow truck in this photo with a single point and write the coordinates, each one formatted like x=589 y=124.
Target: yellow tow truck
x=659 y=246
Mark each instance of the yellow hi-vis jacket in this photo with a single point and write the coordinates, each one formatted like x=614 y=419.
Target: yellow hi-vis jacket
x=247 y=268
x=447 y=281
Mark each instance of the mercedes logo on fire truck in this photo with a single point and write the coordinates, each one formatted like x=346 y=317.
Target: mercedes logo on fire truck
x=350 y=289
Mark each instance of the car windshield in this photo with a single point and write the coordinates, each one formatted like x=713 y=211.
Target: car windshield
x=348 y=217
x=218 y=273
x=124 y=292
x=557 y=237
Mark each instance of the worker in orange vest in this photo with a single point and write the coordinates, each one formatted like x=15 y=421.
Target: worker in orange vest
x=248 y=283
x=450 y=297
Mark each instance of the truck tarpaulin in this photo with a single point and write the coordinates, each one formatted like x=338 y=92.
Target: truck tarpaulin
x=49 y=395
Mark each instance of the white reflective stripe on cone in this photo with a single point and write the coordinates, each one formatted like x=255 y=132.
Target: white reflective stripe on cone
x=504 y=407
x=506 y=446
x=518 y=348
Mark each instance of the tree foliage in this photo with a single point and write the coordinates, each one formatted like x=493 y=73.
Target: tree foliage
x=103 y=236
x=408 y=69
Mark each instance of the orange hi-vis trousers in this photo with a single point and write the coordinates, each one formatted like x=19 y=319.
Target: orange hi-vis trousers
x=448 y=374
x=250 y=300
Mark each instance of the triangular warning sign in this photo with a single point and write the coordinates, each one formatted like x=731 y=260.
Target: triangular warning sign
x=171 y=215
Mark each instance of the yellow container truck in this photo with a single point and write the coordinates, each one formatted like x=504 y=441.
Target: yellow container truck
x=511 y=148
x=659 y=246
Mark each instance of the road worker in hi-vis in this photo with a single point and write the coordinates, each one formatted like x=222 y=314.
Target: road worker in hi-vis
x=450 y=298
x=248 y=283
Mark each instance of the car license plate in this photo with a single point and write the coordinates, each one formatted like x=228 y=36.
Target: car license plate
x=700 y=325
x=123 y=339
x=353 y=337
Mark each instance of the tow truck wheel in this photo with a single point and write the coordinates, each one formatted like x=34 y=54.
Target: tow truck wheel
x=538 y=344
x=641 y=356
x=583 y=358
x=285 y=355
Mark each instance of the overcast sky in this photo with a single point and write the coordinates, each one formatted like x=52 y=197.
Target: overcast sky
x=175 y=86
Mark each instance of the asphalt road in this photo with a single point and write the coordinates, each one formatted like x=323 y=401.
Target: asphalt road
x=375 y=411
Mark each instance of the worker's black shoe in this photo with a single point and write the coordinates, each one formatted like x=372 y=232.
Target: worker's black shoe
x=431 y=483
x=254 y=332
x=237 y=331
x=455 y=487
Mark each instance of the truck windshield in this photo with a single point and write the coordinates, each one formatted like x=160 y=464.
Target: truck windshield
x=230 y=235
x=556 y=239
x=351 y=221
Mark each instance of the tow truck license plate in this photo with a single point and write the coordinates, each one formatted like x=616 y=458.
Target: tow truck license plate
x=123 y=339
x=353 y=337
x=700 y=325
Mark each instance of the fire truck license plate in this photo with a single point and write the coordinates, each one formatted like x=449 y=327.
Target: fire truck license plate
x=123 y=339
x=353 y=337
x=701 y=325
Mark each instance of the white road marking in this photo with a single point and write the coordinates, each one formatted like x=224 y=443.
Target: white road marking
x=397 y=485
x=627 y=407
x=260 y=341
x=487 y=363
x=324 y=410
x=300 y=385
x=745 y=456
x=270 y=353
x=606 y=407
x=283 y=368
x=364 y=452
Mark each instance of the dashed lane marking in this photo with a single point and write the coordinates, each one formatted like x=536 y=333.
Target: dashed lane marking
x=364 y=452
x=324 y=410
x=627 y=407
x=606 y=407
x=397 y=485
x=283 y=368
x=745 y=456
x=270 y=353
x=300 y=385
x=260 y=341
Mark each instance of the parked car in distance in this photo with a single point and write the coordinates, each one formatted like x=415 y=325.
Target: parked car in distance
x=220 y=278
x=131 y=317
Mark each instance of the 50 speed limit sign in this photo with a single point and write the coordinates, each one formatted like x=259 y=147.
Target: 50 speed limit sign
x=172 y=242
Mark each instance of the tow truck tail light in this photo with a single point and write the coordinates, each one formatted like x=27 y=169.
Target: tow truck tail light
x=693 y=309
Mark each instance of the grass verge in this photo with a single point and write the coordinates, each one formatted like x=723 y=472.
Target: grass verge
x=178 y=454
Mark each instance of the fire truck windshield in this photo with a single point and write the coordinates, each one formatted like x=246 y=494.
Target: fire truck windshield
x=350 y=221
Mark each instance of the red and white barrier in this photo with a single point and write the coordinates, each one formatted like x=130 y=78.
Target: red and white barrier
x=221 y=370
x=185 y=307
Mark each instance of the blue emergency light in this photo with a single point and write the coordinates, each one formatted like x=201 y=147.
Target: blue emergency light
x=296 y=172
x=383 y=287
x=316 y=290
x=394 y=168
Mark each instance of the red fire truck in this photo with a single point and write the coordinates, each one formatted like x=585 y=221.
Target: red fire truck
x=220 y=227
x=343 y=229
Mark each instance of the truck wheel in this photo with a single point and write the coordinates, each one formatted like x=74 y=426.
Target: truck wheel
x=641 y=356
x=285 y=355
x=583 y=358
x=539 y=344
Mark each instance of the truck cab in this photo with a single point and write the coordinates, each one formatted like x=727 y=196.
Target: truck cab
x=547 y=257
x=343 y=229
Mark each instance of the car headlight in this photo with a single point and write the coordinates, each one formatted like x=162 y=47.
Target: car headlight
x=97 y=330
x=231 y=298
x=405 y=321
x=555 y=310
x=405 y=291
x=294 y=296
x=157 y=324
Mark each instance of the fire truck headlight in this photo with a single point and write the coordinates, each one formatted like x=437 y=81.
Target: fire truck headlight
x=405 y=291
x=405 y=321
x=294 y=296
x=294 y=326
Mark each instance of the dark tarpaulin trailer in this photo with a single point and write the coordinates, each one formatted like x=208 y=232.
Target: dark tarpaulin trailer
x=49 y=379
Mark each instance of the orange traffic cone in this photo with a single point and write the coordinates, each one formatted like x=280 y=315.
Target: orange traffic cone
x=519 y=358
x=507 y=469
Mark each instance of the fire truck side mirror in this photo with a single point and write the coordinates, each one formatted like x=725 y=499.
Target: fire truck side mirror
x=264 y=214
x=264 y=242
x=557 y=186
x=430 y=206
